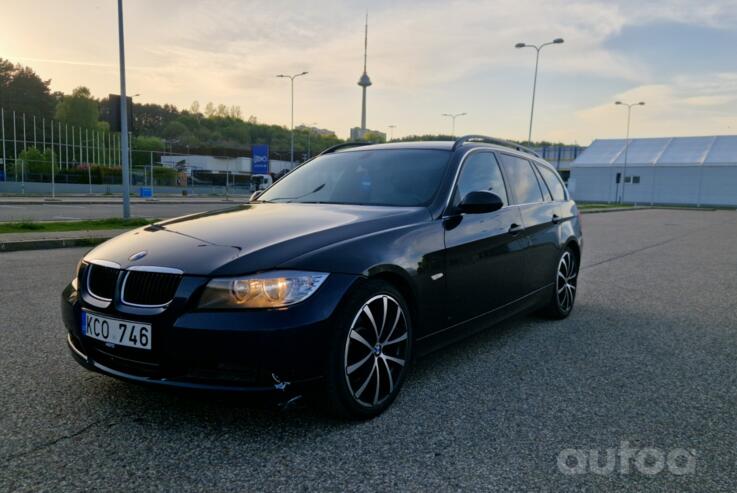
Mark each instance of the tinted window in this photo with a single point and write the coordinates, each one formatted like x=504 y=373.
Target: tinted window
x=543 y=186
x=521 y=179
x=481 y=172
x=553 y=182
x=398 y=177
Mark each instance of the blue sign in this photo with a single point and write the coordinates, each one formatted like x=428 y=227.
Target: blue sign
x=2 y=175
x=145 y=192
x=260 y=159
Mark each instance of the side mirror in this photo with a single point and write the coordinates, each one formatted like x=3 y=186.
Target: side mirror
x=255 y=195
x=480 y=202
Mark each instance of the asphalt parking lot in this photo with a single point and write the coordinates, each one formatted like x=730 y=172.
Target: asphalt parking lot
x=647 y=359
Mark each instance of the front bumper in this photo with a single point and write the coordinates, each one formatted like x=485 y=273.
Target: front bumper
x=225 y=350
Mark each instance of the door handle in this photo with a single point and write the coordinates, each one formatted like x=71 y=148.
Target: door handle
x=515 y=229
x=556 y=219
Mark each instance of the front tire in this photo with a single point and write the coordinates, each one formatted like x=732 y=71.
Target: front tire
x=370 y=352
x=566 y=285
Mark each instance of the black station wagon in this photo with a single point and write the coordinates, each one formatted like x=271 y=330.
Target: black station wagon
x=334 y=278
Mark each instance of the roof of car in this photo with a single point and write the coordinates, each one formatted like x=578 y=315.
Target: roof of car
x=441 y=145
x=444 y=145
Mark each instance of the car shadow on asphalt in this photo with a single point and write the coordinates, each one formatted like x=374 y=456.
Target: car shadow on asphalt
x=188 y=407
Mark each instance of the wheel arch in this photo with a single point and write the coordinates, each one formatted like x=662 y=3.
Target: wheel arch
x=398 y=278
x=572 y=243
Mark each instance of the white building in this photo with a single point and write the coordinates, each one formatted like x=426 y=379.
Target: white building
x=668 y=170
x=218 y=164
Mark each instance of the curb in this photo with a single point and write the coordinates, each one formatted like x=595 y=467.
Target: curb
x=23 y=245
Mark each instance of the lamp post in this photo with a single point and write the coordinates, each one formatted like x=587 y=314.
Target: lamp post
x=453 y=117
x=123 y=117
x=291 y=79
x=309 y=137
x=627 y=141
x=391 y=131
x=556 y=41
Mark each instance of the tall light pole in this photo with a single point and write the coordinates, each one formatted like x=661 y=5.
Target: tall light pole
x=291 y=79
x=123 y=117
x=453 y=117
x=391 y=132
x=556 y=41
x=309 y=138
x=627 y=140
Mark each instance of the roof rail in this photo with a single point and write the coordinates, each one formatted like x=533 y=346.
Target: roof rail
x=344 y=145
x=492 y=140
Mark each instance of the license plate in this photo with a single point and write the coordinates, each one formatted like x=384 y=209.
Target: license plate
x=115 y=331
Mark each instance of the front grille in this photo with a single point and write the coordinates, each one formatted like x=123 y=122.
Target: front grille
x=101 y=281
x=149 y=288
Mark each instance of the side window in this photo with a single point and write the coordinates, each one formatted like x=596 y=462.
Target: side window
x=545 y=189
x=521 y=179
x=481 y=172
x=553 y=182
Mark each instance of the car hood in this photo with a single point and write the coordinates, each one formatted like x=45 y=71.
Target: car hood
x=251 y=237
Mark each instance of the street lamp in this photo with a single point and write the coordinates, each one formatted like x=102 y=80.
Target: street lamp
x=123 y=117
x=627 y=140
x=556 y=41
x=453 y=117
x=391 y=131
x=309 y=137
x=291 y=78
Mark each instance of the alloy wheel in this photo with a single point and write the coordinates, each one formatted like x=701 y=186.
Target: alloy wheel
x=566 y=281
x=376 y=350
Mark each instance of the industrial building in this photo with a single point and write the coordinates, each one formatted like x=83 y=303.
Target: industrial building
x=218 y=164
x=560 y=156
x=668 y=170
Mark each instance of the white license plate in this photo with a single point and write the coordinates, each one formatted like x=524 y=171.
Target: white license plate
x=116 y=331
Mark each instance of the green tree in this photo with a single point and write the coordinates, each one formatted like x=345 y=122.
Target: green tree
x=143 y=148
x=22 y=91
x=36 y=161
x=375 y=137
x=79 y=109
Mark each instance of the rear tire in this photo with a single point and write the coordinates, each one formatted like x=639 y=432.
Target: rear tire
x=370 y=352
x=563 y=298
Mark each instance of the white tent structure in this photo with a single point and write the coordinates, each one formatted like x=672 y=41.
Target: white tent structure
x=669 y=170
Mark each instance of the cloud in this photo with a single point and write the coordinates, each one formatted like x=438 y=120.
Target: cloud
x=425 y=57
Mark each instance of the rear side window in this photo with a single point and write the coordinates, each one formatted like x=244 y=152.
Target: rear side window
x=481 y=172
x=543 y=186
x=554 y=184
x=521 y=179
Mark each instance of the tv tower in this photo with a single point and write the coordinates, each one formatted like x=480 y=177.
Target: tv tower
x=364 y=81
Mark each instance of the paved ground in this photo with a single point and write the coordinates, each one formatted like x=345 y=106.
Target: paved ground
x=648 y=358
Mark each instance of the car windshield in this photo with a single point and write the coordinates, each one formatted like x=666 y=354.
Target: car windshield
x=392 y=177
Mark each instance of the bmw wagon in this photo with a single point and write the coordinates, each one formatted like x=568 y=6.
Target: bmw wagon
x=336 y=277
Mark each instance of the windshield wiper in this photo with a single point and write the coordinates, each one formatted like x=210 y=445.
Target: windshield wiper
x=296 y=197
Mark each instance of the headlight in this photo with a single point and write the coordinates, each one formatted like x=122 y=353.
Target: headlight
x=268 y=290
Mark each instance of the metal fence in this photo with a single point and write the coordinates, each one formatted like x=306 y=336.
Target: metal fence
x=39 y=155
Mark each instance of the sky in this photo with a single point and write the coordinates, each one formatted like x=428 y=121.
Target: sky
x=425 y=58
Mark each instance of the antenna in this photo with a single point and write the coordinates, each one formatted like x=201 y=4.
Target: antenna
x=365 y=43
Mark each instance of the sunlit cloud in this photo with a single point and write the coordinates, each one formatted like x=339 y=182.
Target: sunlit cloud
x=425 y=58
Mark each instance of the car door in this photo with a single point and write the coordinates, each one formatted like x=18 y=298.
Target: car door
x=484 y=252
x=539 y=218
